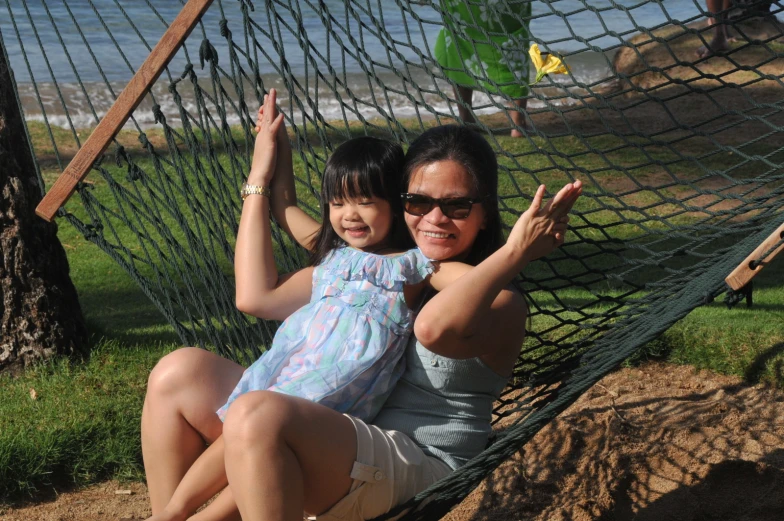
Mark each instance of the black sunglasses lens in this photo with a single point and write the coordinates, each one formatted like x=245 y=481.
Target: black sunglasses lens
x=457 y=209
x=418 y=205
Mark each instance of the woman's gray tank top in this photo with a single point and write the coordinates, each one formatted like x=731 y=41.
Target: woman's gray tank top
x=443 y=405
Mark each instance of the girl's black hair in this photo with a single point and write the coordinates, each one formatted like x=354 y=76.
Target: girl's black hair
x=467 y=148
x=361 y=168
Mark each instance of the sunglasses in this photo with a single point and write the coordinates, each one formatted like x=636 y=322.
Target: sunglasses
x=452 y=207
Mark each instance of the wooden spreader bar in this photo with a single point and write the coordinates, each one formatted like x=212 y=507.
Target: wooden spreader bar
x=122 y=108
x=741 y=275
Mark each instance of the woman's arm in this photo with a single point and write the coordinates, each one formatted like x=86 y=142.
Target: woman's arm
x=475 y=314
x=290 y=217
x=259 y=290
x=446 y=273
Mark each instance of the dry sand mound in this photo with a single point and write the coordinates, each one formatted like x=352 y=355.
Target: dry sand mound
x=659 y=442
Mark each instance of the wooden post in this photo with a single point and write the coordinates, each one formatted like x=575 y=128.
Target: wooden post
x=741 y=275
x=122 y=108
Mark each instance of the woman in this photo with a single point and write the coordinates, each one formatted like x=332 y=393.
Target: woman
x=284 y=455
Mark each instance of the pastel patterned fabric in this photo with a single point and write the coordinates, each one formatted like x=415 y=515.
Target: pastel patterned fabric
x=344 y=349
x=485 y=44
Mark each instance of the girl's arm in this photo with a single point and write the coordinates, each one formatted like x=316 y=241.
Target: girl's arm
x=474 y=314
x=291 y=218
x=260 y=291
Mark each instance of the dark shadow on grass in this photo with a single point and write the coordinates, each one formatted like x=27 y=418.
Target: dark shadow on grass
x=124 y=315
x=757 y=368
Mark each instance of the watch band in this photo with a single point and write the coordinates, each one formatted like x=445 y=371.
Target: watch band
x=254 y=190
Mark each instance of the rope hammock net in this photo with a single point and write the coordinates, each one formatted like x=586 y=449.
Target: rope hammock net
x=681 y=156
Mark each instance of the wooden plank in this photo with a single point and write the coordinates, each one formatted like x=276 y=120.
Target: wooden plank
x=122 y=108
x=741 y=275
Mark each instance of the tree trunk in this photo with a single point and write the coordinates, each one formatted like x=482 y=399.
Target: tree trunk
x=39 y=311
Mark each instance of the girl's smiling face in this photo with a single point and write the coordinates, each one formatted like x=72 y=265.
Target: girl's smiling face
x=364 y=224
x=438 y=236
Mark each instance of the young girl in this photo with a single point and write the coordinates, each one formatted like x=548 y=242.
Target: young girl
x=344 y=347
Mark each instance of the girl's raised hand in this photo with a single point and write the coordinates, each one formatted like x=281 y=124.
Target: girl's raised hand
x=541 y=229
x=268 y=122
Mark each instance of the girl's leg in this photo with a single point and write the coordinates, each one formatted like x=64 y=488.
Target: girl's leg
x=184 y=390
x=205 y=478
x=223 y=508
x=286 y=456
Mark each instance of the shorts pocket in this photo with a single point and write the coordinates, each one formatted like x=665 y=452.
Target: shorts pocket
x=376 y=493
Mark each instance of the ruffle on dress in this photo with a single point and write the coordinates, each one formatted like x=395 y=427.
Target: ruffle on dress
x=388 y=272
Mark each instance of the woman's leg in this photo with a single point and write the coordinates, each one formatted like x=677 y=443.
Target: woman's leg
x=184 y=390
x=286 y=456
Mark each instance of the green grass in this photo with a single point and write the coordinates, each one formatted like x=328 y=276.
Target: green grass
x=83 y=425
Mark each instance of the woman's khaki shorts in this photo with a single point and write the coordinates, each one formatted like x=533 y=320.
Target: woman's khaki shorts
x=389 y=470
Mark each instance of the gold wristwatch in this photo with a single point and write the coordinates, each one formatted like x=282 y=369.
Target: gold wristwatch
x=247 y=190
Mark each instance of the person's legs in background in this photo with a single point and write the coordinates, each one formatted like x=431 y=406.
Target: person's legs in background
x=717 y=18
x=465 y=96
x=517 y=113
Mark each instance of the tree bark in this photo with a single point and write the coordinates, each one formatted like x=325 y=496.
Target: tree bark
x=40 y=314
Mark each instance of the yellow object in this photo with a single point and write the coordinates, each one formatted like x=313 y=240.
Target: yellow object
x=552 y=65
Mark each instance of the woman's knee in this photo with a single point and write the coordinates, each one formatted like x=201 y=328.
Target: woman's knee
x=174 y=372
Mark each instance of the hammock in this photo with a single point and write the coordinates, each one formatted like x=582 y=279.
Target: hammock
x=681 y=157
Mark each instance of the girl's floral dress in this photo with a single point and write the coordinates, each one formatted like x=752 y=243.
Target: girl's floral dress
x=344 y=348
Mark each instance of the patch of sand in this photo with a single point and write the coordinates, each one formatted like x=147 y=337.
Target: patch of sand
x=651 y=443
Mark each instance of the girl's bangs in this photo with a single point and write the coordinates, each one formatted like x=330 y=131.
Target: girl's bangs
x=353 y=184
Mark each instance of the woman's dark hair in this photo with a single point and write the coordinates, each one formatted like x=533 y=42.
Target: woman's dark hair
x=467 y=148
x=361 y=168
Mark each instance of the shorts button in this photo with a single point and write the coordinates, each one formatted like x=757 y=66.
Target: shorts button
x=378 y=475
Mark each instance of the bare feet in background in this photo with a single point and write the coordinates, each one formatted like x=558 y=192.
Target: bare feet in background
x=516 y=112
x=718 y=10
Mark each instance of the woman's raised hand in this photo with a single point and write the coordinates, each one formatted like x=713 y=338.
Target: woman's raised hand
x=541 y=229
x=268 y=122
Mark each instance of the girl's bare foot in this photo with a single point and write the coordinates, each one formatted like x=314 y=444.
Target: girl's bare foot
x=168 y=516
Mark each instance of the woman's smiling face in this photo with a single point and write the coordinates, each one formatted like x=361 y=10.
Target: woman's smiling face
x=438 y=236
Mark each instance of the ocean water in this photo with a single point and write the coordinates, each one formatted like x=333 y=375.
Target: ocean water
x=357 y=59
